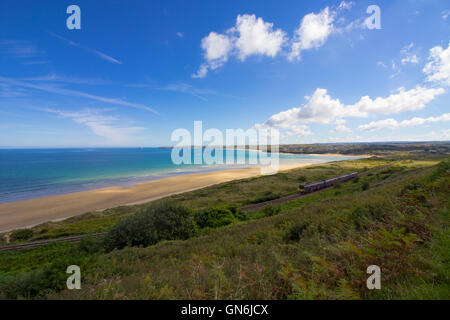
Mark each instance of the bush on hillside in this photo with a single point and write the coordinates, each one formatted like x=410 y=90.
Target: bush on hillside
x=160 y=221
x=22 y=234
x=271 y=211
x=214 y=218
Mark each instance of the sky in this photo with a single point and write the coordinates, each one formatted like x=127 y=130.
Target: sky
x=135 y=71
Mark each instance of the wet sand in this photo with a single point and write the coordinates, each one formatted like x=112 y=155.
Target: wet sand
x=29 y=213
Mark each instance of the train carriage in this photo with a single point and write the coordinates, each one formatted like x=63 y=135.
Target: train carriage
x=315 y=186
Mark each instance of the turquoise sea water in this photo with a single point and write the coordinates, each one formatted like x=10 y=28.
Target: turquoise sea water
x=32 y=173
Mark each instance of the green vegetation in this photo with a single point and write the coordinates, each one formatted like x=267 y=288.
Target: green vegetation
x=162 y=221
x=22 y=234
x=389 y=149
x=198 y=245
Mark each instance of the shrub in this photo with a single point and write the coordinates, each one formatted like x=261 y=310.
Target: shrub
x=365 y=186
x=362 y=215
x=214 y=218
x=442 y=168
x=90 y=245
x=271 y=211
x=23 y=234
x=29 y=285
x=266 y=197
x=295 y=232
x=239 y=214
x=302 y=179
x=160 y=221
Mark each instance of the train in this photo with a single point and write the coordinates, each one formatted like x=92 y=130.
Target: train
x=315 y=186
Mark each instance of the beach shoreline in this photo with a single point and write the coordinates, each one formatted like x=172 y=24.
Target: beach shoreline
x=32 y=212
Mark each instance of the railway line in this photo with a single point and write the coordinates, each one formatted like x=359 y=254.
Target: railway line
x=252 y=207
x=261 y=205
x=14 y=247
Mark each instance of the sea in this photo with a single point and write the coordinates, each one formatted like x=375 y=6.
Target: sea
x=33 y=173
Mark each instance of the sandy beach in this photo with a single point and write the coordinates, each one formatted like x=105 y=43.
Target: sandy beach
x=29 y=213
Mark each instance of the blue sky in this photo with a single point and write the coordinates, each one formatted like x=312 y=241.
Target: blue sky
x=137 y=70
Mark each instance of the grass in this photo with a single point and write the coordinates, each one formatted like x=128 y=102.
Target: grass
x=314 y=247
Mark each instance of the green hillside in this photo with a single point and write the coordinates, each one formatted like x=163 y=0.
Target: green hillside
x=314 y=247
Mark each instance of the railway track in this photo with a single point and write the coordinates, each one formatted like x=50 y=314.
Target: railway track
x=14 y=247
x=261 y=205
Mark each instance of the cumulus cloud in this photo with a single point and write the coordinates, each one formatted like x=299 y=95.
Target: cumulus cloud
x=438 y=67
x=313 y=31
x=216 y=49
x=341 y=129
x=400 y=101
x=322 y=108
x=376 y=125
x=394 y=124
x=256 y=37
x=250 y=36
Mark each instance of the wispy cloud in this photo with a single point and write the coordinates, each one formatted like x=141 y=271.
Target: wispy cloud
x=102 y=125
x=178 y=87
x=20 y=49
x=68 y=92
x=93 y=51
x=63 y=79
x=394 y=124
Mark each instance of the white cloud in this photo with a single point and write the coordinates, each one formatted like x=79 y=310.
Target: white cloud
x=68 y=92
x=322 y=108
x=180 y=87
x=20 y=49
x=438 y=67
x=346 y=5
x=394 y=124
x=413 y=59
x=407 y=48
x=313 y=31
x=445 y=134
x=445 y=14
x=256 y=37
x=408 y=57
x=103 y=126
x=341 y=129
x=250 y=36
x=216 y=49
x=99 y=54
x=401 y=100
x=180 y=34
x=375 y=125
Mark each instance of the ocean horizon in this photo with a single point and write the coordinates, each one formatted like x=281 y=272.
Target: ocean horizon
x=34 y=173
